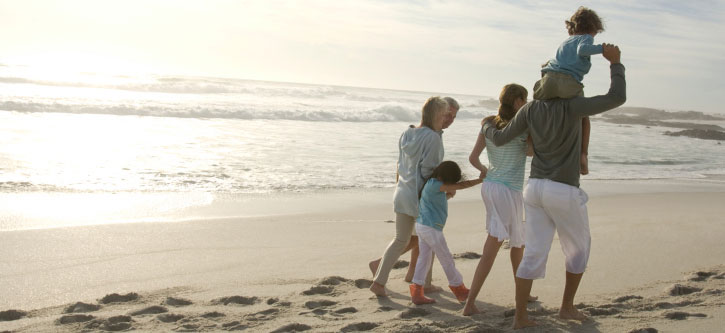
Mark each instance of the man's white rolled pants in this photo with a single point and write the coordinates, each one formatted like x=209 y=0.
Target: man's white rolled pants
x=554 y=207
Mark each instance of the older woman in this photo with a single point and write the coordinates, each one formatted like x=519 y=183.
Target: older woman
x=420 y=151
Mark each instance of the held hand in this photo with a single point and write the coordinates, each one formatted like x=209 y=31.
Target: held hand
x=611 y=52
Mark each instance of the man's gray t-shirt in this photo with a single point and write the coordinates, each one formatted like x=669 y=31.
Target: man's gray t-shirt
x=555 y=129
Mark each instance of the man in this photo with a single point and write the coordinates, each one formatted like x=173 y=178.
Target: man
x=552 y=199
x=453 y=107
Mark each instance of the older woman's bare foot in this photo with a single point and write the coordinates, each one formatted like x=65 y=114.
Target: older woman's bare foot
x=432 y=289
x=378 y=289
x=374 y=266
x=572 y=313
x=470 y=310
x=520 y=323
x=533 y=298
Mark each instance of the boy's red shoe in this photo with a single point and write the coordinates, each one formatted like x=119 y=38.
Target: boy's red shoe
x=461 y=292
x=416 y=295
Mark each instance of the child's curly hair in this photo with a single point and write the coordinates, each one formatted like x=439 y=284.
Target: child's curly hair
x=584 y=21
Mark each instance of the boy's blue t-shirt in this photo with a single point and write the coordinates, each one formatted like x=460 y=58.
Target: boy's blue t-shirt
x=573 y=56
x=433 y=205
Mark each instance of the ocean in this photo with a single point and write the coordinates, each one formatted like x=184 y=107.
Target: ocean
x=195 y=138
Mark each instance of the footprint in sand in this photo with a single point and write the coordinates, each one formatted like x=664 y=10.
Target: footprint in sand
x=74 y=318
x=467 y=255
x=172 y=301
x=359 y=327
x=623 y=299
x=241 y=300
x=115 y=324
x=292 y=328
x=346 y=310
x=679 y=315
x=234 y=326
x=602 y=311
x=169 y=317
x=400 y=264
x=81 y=307
x=155 y=309
x=318 y=290
x=700 y=276
x=117 y=298
x=413 y=313
x=264 y=315
x=679 y=290
x=363 y=283
x=9 y=315
x=644 y=330
x=333 y=280
x=213 y=314
x=319 y=304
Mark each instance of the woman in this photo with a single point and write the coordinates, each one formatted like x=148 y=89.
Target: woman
x=420 y=151
x=501 y=191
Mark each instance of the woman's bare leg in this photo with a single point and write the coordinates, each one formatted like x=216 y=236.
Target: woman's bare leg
x=490 y=250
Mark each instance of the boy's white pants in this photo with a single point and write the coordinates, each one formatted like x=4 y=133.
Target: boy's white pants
x=554 y=207
x=431 y=240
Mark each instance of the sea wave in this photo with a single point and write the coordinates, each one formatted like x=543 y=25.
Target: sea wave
x=390 y=112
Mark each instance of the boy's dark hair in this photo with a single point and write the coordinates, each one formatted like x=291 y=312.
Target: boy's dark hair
x=584 y=21
x=448 y=171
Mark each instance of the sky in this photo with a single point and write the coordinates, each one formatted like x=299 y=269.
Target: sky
x=673 y=50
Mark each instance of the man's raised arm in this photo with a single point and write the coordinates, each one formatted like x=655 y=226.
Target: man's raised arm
x=617 y=95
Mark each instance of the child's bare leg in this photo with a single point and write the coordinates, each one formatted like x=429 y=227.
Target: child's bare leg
x=490 y=249
x=517 y=253
x=586 y=130
x=413 y=258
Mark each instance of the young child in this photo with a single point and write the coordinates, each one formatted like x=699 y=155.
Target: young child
x=441 y=186
x=562 y=75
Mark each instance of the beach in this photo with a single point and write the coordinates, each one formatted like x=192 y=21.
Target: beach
x=298 y=262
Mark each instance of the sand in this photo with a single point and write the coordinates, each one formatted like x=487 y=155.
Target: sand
x=657 y=263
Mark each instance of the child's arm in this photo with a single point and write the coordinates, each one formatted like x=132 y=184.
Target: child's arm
x=452 y=188
x=586 y=47
x=475 y=157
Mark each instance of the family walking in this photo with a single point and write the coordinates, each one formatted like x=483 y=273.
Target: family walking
x=554 y=129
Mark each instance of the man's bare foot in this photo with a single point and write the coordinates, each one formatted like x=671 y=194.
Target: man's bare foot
x=524 y=323
x=533 y=298
x=432 y=289
x=573 y=314
x=584 y=165
x=374 y=266
x=470 y=310
x=378 y=289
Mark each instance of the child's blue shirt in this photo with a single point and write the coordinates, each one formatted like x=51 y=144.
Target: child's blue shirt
x=573 y=56
x=433 y=205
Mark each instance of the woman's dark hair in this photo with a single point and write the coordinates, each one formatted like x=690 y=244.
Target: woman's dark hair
x=448 y=172
x=506 y=111
x=584 y=21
